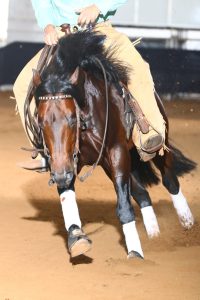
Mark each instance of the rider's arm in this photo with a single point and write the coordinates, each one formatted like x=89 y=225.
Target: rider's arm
x=89 y=14
x=44 y=12
x=109 y=5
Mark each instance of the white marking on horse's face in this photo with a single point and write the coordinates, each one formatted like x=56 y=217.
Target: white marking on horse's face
x=150 y=221
x=183 y=211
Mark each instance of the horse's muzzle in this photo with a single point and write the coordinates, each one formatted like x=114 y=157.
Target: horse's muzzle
x=62 y=179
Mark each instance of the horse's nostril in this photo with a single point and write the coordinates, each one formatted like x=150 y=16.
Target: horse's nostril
x=69 y=175
x=62 y=179
x=52 y=174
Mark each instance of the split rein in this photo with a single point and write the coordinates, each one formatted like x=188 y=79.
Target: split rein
x=75 y=155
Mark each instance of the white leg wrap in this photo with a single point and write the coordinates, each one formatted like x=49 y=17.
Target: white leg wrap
x=183 y=210
x=150 y=221
x=70 y=209
x=132 y=238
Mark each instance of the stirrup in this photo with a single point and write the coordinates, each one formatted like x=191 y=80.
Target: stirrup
x=144 y=156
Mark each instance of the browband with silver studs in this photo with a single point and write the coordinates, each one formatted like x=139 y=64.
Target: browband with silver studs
x=58 y=97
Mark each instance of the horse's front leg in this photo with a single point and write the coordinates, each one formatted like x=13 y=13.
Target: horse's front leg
x=78 y=242
x=119 y=172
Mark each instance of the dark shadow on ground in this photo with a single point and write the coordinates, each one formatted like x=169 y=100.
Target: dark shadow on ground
x=103 y=212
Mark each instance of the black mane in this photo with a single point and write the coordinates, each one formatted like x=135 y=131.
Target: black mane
x=81 y=49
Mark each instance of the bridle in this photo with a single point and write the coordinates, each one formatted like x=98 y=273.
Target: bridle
x=31 y=125
x=60 y=97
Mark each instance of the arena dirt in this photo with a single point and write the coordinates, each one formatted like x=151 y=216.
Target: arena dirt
x=34 y=262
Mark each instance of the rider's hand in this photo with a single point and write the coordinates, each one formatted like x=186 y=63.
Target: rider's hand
x=50 y=35
x=88 y=15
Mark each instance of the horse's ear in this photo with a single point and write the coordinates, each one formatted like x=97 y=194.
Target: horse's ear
x=36 y=78
x=74 y=77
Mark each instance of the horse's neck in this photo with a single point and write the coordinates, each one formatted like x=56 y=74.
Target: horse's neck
x=93 y=96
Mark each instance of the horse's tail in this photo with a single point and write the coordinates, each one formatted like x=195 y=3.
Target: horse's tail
x=180 y=163
x=175 y=160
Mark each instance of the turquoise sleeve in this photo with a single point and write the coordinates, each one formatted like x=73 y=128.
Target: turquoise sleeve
x=43 y=12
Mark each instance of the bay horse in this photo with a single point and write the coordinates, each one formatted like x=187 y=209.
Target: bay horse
x=80 y=123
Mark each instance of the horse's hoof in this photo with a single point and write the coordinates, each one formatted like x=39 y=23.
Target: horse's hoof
x=78 y=242
x=80 y=247
x=134 y=254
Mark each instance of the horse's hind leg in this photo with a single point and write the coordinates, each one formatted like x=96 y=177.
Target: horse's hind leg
x=78 y=242
x=171 y=183
x=141 y=196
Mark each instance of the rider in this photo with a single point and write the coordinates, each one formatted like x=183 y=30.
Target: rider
x=50 y=14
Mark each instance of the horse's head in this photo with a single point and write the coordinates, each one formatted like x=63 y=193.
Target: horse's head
x=75 y=69
x=58 y=123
